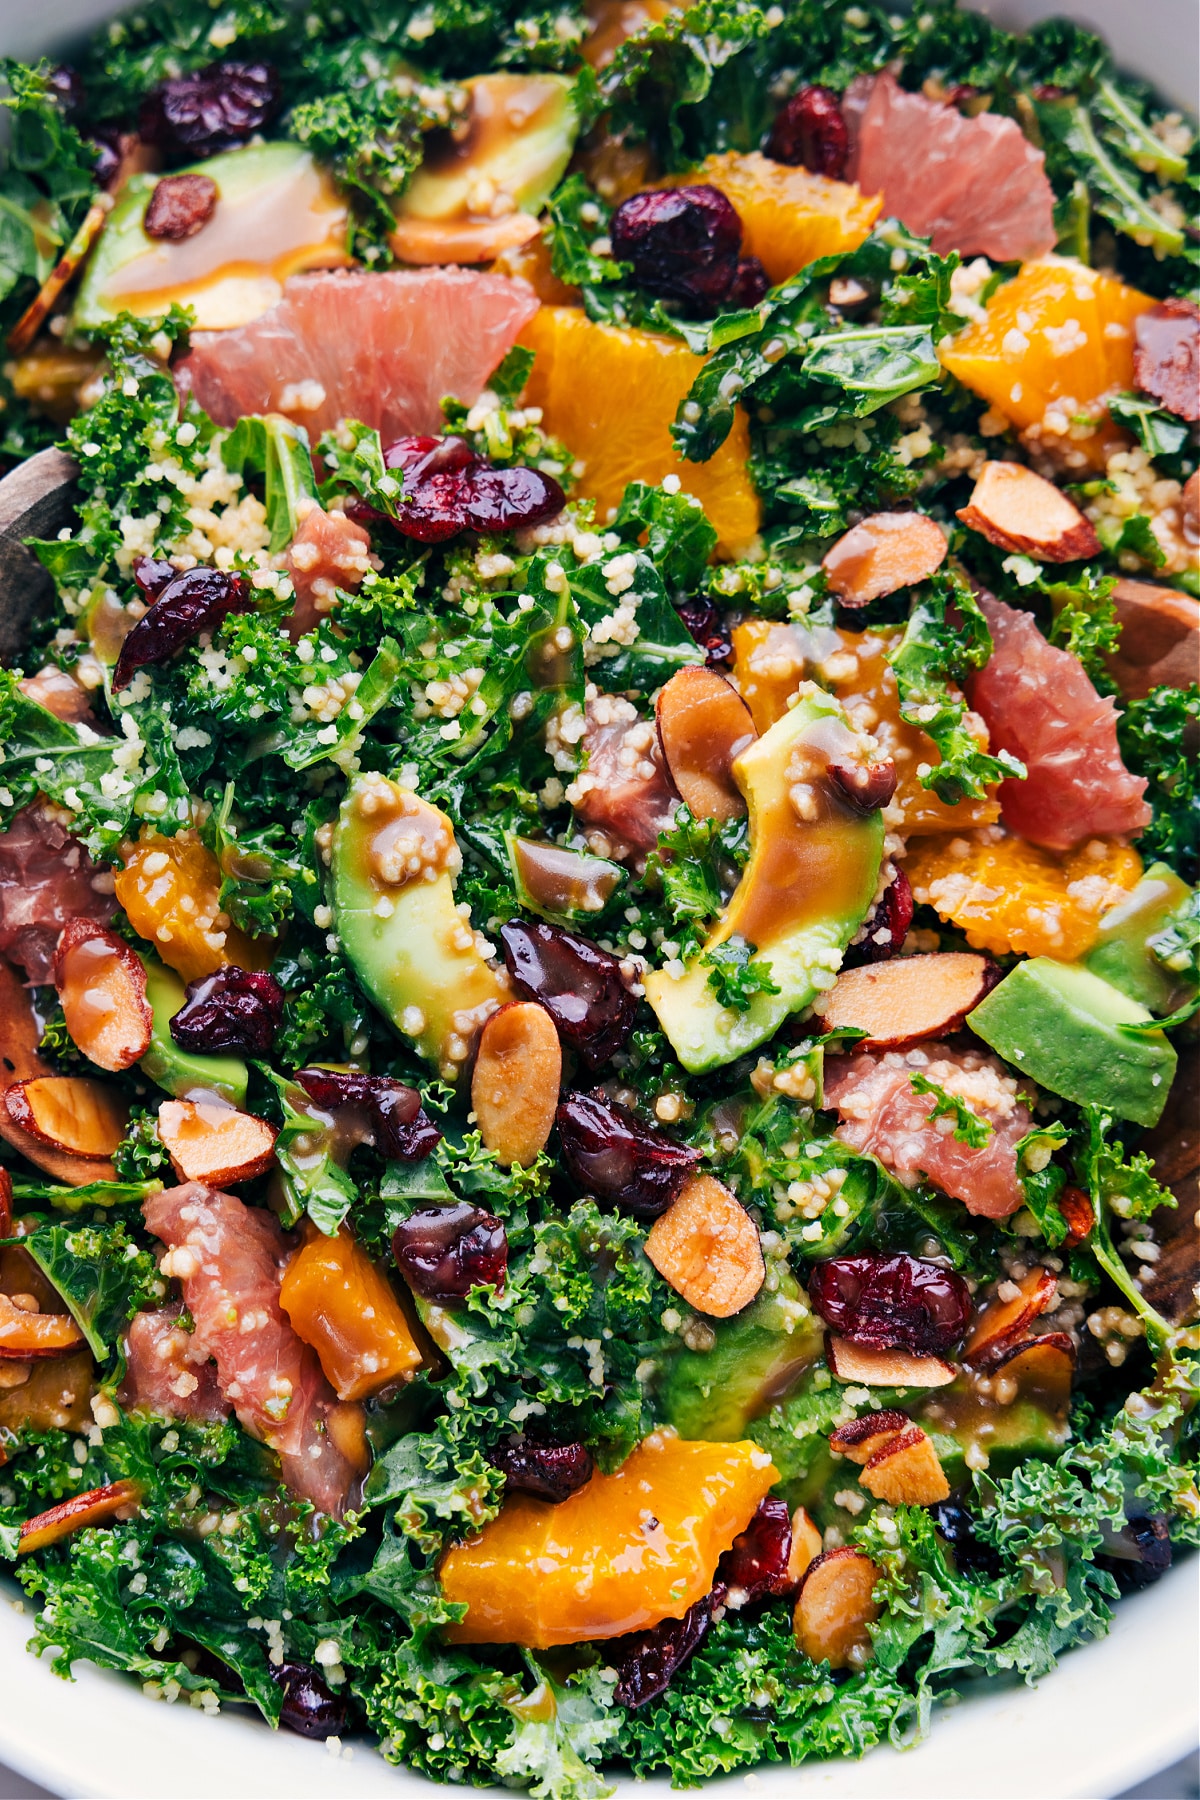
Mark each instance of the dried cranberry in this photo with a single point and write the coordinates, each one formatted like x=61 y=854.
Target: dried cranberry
x=66 y=88
x=579 y=985
x=750 y=283
x=400 y=1129
x=756 y=1564
x=957 y=1526
x=684 y=243
x=611 y=1154
x=809 y=129
x=309 y=1706
x=448 y=489
x=446 y=1251
x=888 y=925
x=231 y=1009
x=180 y=206
x=892 y=1301
x=109 y=146
x=707 y=625
x=421 y=457
x=647 y=1661
x=864 y=786
x=551 y=1471
x=1140 y=1554
x=510 y=499
x=152 y=574
x=211 y=109
x=195 y=601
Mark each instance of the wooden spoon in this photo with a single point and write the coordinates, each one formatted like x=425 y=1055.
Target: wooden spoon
x=36 y=500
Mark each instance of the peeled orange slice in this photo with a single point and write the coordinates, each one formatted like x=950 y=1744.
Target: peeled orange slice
x=789 y=217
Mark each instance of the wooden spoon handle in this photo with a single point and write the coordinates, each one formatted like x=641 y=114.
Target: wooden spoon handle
x=36 y=500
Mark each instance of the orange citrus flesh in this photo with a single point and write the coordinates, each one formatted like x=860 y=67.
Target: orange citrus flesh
x=345 y=1307
x=611 y=395
x=610 y=22
x=789 y=217
x=770 y=661
x=1056 y=340
x=624 y=1552
x=530 y=262
x=170 y=889
x=1007 y=895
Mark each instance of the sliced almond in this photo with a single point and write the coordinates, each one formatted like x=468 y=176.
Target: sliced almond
x=703 y=725
x=1020 y=511
x=65 y=269
x=835 y=1609
x=906 y=1471
x=20 y=1033
x=120 y=1499
x=859 y=1439
x=908 y=999
x=868 y=1364
x=1041 y=1367
x=1160 y=639
x=101 y=984
x=806 y=1545
x=884 y=553
x=706 y=1247
x=54 y=1396
x=514 y=1090
x=214 y=1143
x=71 y=1113
x=1001 y=1320
x=26 y=1332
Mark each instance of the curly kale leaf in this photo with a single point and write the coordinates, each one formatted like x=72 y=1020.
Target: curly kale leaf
x=140 y=1155
x=577 y=217
x=735 y=976
x=1157 y=736
x=1085 y=620
x=101 y=1274
x=1177 y=945
x=969 y=1128
x=278 y=451
x=1159 y=432
x=46 y=180
x=696 y=864
x=679 y=539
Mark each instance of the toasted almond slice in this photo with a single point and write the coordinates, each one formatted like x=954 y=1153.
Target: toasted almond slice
x=209 y=1141
x=20 y=1033
x=1021 y=511
x=1042 y=1368
x=906 y=1471
x=101 y=984
x=1079 y=1213
x=1000 y=1321
x=706 y=1247
x=836 y=1610
x=514 y=1090
x=38 y=311
x=908 y=999
x=71 y=1113
x=884 y=553
x=26 y=1332
x=859 y=1439
x=120 y=1499
x=703 y=724
x=868 y=1364
x=1159 y=644
x=806 y=1545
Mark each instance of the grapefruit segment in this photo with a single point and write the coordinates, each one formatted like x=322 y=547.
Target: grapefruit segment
x=385 y=349
x=789 y=216
x=972 y=185
x=611 y=394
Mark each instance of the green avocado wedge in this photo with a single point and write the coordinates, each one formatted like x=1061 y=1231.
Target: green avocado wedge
x=1123 y=954
x=758 y=1356
x=807 y=887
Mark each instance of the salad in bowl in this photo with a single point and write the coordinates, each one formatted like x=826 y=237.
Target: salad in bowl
x=598 y=819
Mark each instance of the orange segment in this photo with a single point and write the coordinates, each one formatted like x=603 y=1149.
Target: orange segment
x=610 y=22
x=1056 y=340
x=625 y=1551
x=170 y=888
x=790 y=217
x=771 y=660
x=1007 y=895
x=611 y=394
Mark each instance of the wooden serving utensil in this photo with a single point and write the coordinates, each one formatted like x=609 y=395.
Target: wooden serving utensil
x=36 y=500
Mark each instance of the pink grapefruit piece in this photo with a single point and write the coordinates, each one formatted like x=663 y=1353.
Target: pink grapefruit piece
x=385 y=349
x=977 y=185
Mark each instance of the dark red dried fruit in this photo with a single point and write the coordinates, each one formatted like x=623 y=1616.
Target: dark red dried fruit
x=211 y=109
x=809 y=129
x=448 y=489
x=66 y=86
x=579 y=985
x=108 y=144
x=180 y=206
x=706 y=622
x=551 y=1471
x=1166 y=355
x=647 y=1661
x=611 y=1154
x=446 y=1251
x=894 y=1302
x=1139 y=1554
x=309 y=1705
x=888 y=925
x=152 y=574
x=750 y=283
x=957 y=1526
x=864 y=787
x=230 y=1010
x=399 y=1128
x=684 y=243
x=190 y=603
x=756 y=1564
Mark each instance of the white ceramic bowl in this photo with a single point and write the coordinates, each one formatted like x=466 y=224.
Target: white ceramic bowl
x=1113 y=1712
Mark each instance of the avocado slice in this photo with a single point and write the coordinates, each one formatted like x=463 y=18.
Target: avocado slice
x=276 y=213
x=803 y=894
x=393 y=866
x=519 y=132
x=182 y=1072
x=1122 y=953
x=1061 y=1024
x=758 y=1355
